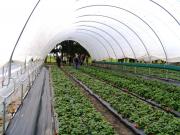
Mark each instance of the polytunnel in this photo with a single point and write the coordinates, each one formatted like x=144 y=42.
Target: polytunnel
x=114 y=33
x=143 y=29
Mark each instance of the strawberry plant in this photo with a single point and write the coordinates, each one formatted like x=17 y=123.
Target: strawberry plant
x=164 y=94
x=76 y=115
x=144 y=116
x=155 y=72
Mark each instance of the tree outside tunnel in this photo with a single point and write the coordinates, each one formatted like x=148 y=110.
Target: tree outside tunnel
x=71 y=47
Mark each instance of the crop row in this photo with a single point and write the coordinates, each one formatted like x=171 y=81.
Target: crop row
x=144 y=116
x=164 y=94
x=76 y=114
x=159 y=73
x=154 y=83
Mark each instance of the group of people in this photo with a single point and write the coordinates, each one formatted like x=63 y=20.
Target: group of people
x=78 y=60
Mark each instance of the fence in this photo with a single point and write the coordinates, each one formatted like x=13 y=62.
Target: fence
x=12 y=95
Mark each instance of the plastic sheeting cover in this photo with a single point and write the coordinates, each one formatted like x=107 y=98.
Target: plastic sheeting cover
x=140 y=29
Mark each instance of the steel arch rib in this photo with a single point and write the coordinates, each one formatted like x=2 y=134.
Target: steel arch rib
x=165 y=11
x=89 y=6
x=19 y=37
x=94 y=37
x=106 y=34
x=119 y=33
x=101 y=37
x=145 y=47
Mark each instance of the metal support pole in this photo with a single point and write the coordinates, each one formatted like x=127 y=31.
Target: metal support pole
x=3 y=72
x=3 y=76
x=34 y=75
x=35 y=71
x=10 y=59
x=21 y=70
x=124 y=66
x=14 y=83
x=25 y=66
x=4 y=116
x=135 y=68
x=22 y=94
x=29 y=79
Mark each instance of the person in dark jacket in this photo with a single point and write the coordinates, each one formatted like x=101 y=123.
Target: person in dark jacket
x=70 y=60
x=87 y=60
x=82 y=58
x=58 y=60
x=76 y=61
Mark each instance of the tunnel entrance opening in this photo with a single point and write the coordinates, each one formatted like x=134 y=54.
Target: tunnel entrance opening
x=66 y=51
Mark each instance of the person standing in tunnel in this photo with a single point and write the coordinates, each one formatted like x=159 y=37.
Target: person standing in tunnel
x=58 y=60
x=82 y=58
x=76 y=61
x=70 y=60
x=87 y=60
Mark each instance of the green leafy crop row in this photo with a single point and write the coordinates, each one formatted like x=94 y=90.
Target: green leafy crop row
x=76 y=114
x=160 y=73
x=164 y=94
x=156 y=72
x=144 y=116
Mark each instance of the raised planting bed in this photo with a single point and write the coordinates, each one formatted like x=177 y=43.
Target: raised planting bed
x=76 y=115
x=154 y=72
x=164 y=94
x=118 y=119
x=143 y=115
